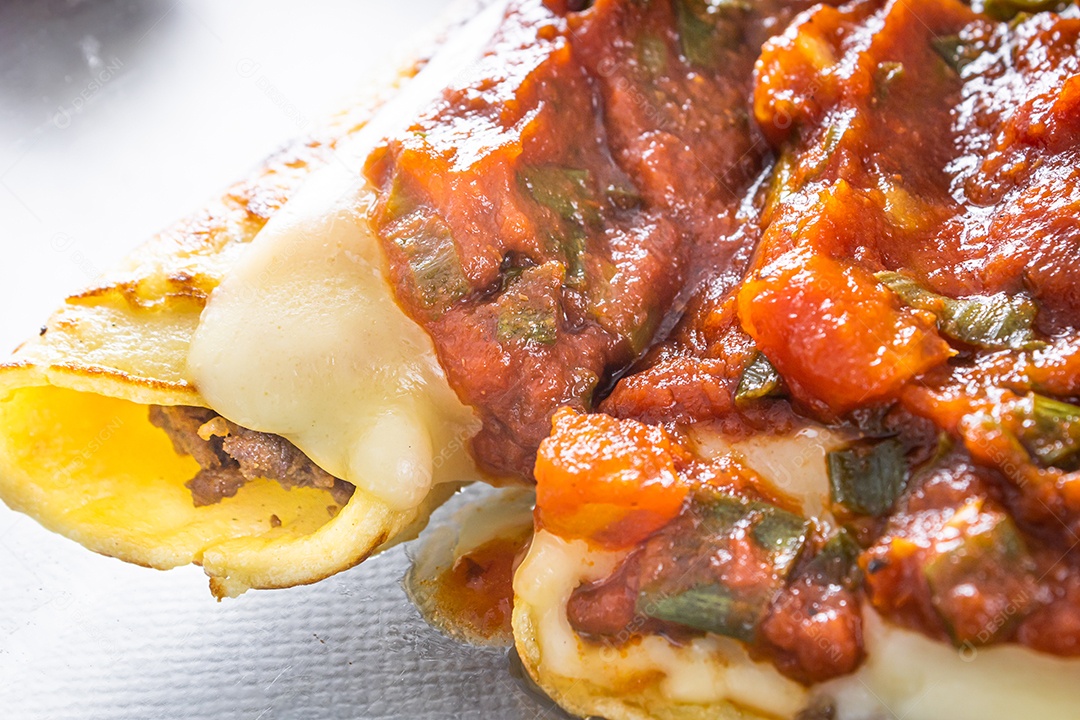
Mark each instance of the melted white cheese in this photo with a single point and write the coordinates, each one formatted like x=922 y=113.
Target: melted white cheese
x=304 y=339
x=704 y=671
x=793 y=464
x=906 y=674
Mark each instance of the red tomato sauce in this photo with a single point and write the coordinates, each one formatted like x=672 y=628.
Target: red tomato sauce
x=752 y=216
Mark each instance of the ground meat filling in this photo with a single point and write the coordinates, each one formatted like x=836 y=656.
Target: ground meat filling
x=231 y=456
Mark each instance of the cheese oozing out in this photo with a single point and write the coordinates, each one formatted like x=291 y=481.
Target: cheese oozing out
x=304 y=339
x=905 y=675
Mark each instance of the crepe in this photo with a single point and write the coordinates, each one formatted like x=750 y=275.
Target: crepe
x=79 y=453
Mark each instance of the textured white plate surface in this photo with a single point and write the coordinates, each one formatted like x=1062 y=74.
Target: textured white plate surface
x=117 y=117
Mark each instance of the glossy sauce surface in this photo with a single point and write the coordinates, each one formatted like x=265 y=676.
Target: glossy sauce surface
x=766 y=215
x=543 y=218
x=927 y=140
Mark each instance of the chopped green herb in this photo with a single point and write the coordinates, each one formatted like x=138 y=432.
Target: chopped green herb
x=989 y=558
x=868 y=477
x=712 y=608
x=1050 y=431
x=778 y=537
x=994 y=322
x=707 y=27
x=759 y=380
x=955 y=51
x=1009 y=9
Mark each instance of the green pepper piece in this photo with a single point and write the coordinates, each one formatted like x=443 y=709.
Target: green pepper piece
x=624 y=196
x=574 y=251
x=1009 y=9
x=759 y=380
x=706 y=27
x=530 y=324
x=568 y=193
x=782 y=183
x=437 y=269
x=565 y=191
x=527 y=310
x=887 y=73
x=820 y=709
x=781 y=533
x=955 y=51
x=868 y=476
x=994 y=322
x=652 y=54
x=723 y=512
x=835 y=563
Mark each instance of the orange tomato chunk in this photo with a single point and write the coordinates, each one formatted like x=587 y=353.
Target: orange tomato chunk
x=612 y=482
x=838 y=337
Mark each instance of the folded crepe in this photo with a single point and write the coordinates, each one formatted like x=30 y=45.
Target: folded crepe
x=342 y=432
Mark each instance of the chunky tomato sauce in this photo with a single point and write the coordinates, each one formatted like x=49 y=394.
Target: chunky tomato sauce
x=543 y=218
x=753 y=216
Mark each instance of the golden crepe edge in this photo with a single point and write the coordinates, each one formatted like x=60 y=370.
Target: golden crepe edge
x=78 y=452
x=586 y=699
